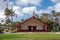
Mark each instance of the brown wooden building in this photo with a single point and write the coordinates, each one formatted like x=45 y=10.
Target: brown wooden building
x=32 y=24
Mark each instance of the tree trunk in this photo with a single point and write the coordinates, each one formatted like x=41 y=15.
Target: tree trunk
x=7 y=17
x=11 y=19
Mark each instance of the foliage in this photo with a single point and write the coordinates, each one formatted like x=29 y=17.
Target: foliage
x=11 y=27
x=7 y=30
x=51 y=25
x=8 y=25
x=8 y=21
x=48 y=21
x=43 y=19
x=15 y=30
x=8 y=12
x=0 y=24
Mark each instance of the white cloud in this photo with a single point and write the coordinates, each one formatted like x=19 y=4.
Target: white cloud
x=18 y=10
x=2 y=5
x=26 y=10
x=26 y=2
x=42 y=11
x=2 y=14
x=10 y=5
x=57 y=7
x=29 y=10
x=48 y=10
x=16 y=7
x=2 y=8
x=55 y=1
x=19 y=13
x=2 y=17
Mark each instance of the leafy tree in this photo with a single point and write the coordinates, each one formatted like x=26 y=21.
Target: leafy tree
x=45 y=18
x=9 y=13
x=55 y=14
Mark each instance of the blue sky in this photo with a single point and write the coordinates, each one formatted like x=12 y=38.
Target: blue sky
x=43 y=5
x=46 y=3
x=25 y=8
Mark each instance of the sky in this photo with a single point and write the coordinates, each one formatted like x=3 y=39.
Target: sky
x=25 y=8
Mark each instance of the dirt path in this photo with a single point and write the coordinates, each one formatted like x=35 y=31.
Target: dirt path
x=35 y=33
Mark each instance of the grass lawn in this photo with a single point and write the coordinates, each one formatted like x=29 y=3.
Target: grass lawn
x=30 y=36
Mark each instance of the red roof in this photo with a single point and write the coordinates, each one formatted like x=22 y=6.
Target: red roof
x=33 y=17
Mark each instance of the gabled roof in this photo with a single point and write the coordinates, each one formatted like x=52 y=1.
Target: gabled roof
x=33 y=17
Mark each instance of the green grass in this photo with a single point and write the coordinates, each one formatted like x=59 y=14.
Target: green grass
x=30 y=36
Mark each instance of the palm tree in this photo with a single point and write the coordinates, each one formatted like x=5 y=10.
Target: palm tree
x=8 y=21
x=12 y=15
x=7 y=13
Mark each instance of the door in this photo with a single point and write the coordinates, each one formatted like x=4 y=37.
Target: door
x=31 y=28
x=34 y=28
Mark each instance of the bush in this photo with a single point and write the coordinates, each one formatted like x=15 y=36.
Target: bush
x=7 y=30
x=15 y=30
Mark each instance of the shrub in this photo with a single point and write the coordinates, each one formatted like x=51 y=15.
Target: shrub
x=15 y=30
x=7 y=30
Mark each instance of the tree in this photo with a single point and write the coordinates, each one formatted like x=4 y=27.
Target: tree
x=55 y=14
x=45 y=18
x=49 y=22
x=12 y=15
x=8 y=21
x=7 y=13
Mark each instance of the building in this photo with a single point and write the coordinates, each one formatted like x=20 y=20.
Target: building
x=32 y=24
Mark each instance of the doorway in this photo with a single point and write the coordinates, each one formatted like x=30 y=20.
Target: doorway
x=32 y=28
